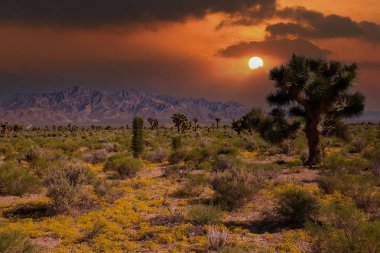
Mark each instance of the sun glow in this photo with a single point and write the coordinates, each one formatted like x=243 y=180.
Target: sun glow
x=255 y=63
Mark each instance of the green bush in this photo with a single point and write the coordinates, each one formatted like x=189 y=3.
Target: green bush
x=295 y=206
x=361 y=188
x=16 y=180
x=15 y=242
x=194 y=185
x=176 y=142
x=343 y=228
x=205 y=214
x=123 y=165
x=178 y=155
x=206 y=165
x=236 y=186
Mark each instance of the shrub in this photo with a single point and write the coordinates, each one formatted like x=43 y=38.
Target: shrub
x=137 y=137
x=194 y=185
x=157 y=156
x=374 y=163
x=198 y=155
x=173 y=170
x=357 y=146
x=222 y=163
x=295 y=206
x=111 y=147
x=37 y=152
x=16 y=180
x=217 y=237
x=236 y=186
x=206 y=165
x=343 y=228
x=176 y=142
x=15 y=242
x=97 y=156
x=64 y=185
x=205 y=214
x=178 y=156
x=361 y=188
x=228 y=149
x=124 y=166
x=106 y=190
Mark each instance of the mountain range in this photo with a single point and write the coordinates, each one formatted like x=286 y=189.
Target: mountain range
x=82 y=105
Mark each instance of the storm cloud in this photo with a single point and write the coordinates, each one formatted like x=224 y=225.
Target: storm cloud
x=315 y=25
x=281 y=48
x=94 y=13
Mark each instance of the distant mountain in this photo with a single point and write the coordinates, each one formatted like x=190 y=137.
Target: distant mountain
x=81 y=105
x=368 y=116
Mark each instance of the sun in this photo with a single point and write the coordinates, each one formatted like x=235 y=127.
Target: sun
x=255 y=63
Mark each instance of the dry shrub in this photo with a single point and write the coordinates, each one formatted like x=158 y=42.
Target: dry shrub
x=98 y=156
x=64 y=185
x=222 y=163
x=157 y=156
x=235 y=187
x=217 y=237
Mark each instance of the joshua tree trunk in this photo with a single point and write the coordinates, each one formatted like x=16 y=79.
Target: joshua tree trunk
x=312 y=135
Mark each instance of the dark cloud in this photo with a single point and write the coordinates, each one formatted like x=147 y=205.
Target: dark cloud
x=93 y=13
x=370 y=65
x=282 y=48
x=315 y=25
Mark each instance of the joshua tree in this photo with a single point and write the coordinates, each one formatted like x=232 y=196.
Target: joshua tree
x=195 y=120
x=4 y=128
x=217 y=120
x=319 y=92
x=274 y=128
x=153 y=123
x=137 y=138
x=180 y=121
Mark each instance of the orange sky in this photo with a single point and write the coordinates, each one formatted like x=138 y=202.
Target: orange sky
x=177 y=57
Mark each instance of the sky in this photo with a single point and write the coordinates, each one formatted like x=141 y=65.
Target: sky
x=197 y=48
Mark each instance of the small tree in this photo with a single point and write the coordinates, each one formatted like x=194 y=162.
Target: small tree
x=195 y=120
x=153 y=123
x=138 y=138
x=319 y=92
x=181 y=122
x=217 y=120
x=150 y=121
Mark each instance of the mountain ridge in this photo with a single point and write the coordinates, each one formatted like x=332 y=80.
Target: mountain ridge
x=81 y=105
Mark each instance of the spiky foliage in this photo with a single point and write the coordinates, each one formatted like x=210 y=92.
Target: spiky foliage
x=181 y=122
x=137 y=138
x=318 y=91
x=273 y=128
x=251 y=121
x=276 y=128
